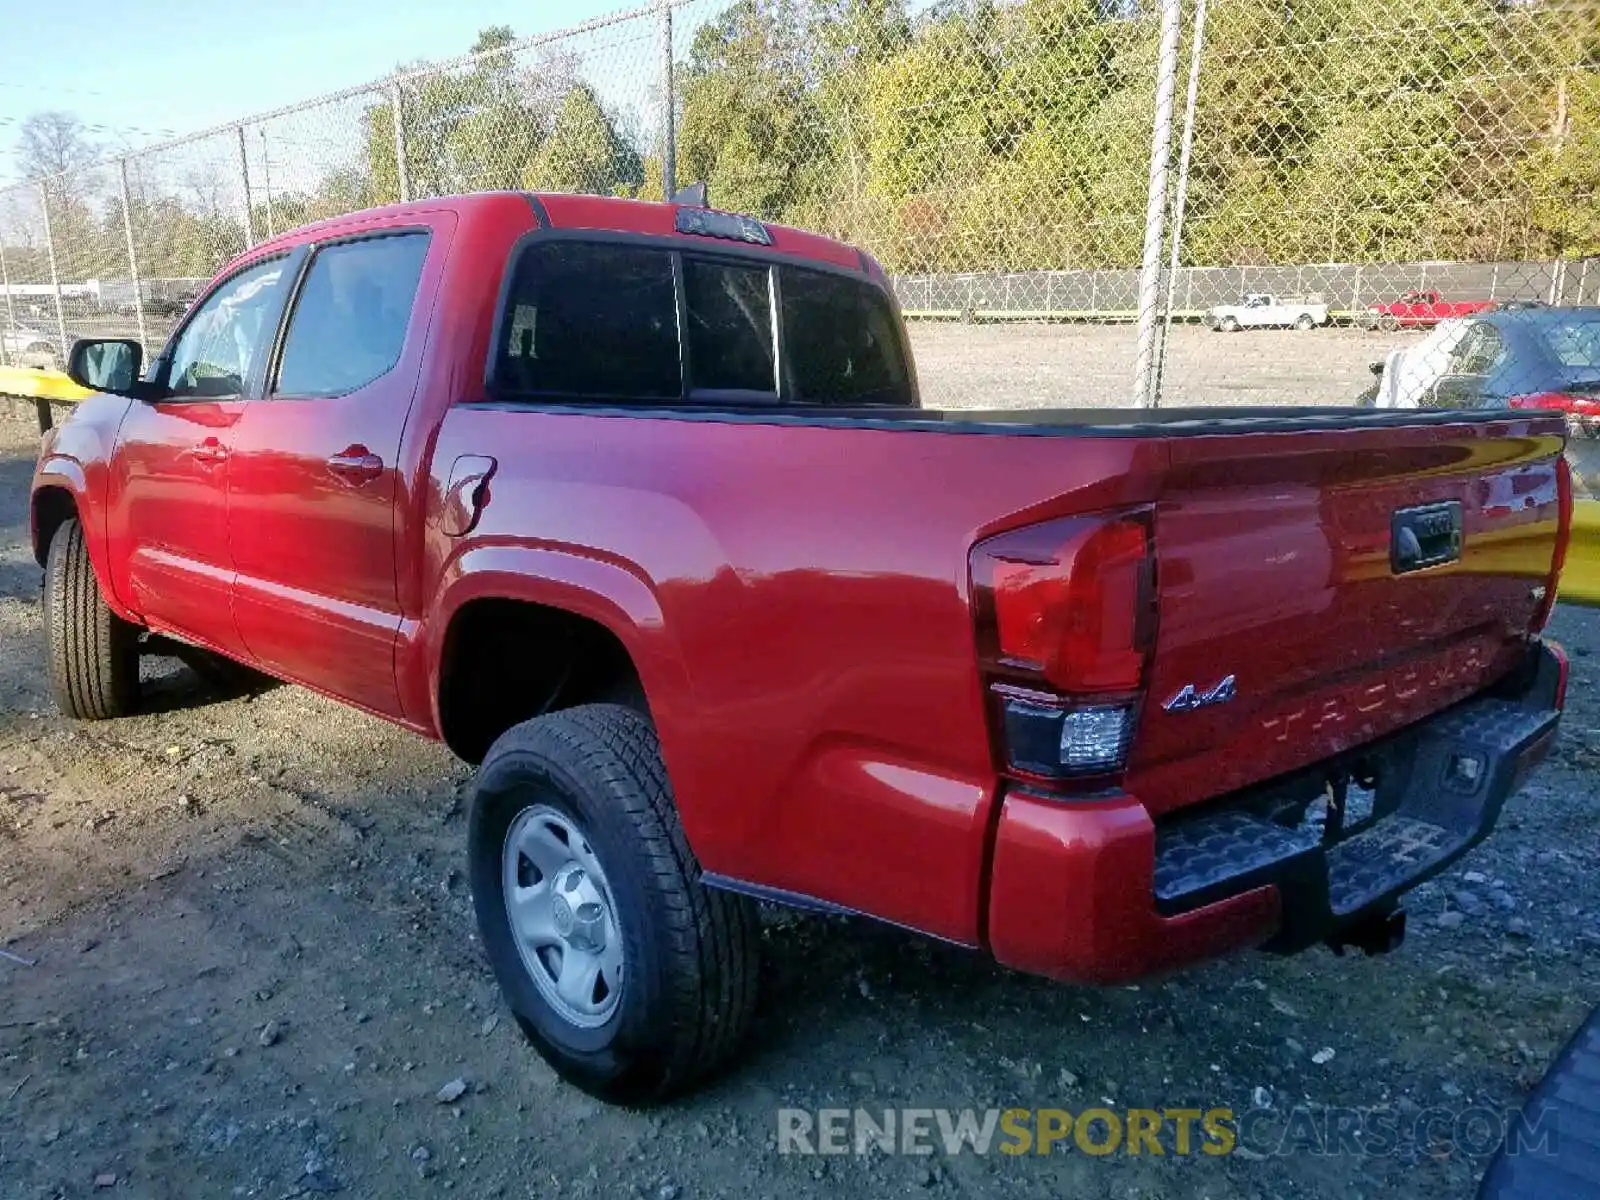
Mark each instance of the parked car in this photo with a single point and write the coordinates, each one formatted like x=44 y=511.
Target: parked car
x=1260 y=311
x=29 y=346
x=635 y=505
x=1516 y=357
x=1419 y=310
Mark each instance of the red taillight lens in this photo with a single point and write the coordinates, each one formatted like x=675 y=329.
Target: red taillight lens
x=1066 y=617
x=1069 y=600
x=1566 y=402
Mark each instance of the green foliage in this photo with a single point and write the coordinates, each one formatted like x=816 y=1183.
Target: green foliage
x=991 y=134
x=750 y=127
x=1563 y=174
x=584 y=152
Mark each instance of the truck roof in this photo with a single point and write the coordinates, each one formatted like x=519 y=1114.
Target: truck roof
x=560 y=210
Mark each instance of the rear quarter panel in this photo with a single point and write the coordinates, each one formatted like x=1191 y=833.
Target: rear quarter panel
x=796 y=601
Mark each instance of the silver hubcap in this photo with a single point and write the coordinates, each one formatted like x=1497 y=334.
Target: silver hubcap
x=562 y=916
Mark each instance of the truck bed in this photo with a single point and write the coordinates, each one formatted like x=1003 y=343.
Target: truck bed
x=1042 y=422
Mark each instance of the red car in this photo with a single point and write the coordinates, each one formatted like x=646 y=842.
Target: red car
x=1420 y=310
x=635 y=505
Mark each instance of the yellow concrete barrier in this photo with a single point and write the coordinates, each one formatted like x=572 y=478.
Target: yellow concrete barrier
x=1580 y=580
x=30 y=384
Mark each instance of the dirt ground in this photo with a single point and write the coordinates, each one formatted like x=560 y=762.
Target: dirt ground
x=251 y=966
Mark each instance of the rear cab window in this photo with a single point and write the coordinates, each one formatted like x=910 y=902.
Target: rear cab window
x=350 y=318
x=668 y=323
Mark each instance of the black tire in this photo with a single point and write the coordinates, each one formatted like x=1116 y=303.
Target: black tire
x=1304 y=322
x=94 y=654
x=690 y=953
x=1229 y=325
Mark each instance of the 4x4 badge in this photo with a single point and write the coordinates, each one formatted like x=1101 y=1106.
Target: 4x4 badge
x=1191 y=697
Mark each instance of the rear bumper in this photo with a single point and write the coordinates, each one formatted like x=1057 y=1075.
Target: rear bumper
x=1098 y=892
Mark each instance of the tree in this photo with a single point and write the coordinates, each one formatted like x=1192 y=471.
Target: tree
x=54 y=143
x=468 y=130
x=749 y=128
x=584 y=152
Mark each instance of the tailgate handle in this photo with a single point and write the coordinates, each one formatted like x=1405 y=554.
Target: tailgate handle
x=1425 y=536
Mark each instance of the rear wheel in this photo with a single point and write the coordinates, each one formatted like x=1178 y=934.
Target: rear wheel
x=94 y=654
x=629 y=976
x=1389 y=323
x=1304 y=322
x=1229 y=325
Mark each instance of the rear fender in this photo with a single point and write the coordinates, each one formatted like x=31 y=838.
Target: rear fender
x=609 y=592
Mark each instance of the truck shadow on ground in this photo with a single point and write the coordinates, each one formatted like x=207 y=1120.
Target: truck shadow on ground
x=172 y=685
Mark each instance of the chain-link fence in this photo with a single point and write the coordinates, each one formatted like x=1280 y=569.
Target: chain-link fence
x=1081 y=201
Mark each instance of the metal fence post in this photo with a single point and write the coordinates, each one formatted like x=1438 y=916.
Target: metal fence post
x=55 y=276
x=1558 y=272
x=397 y=108
x=244 y=179
x=669 y=108
x=11 y=310
x=266 y=185
x=1155 y=213
x=1181 y=200
x=133 y=254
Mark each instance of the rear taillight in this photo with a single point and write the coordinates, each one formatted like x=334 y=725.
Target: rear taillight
x=1565 y=402
x=1558 y=560
x=1066 y=618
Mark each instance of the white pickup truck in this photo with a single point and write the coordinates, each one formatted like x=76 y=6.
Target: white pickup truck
x=1260 y=311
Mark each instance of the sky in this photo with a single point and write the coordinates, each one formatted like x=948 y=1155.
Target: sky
x=143 y=71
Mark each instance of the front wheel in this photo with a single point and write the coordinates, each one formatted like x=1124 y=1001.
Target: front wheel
x=629 y=976
x=93 y=653
x=1389 y=323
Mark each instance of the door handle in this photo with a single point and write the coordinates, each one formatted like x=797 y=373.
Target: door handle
x=356 y=466
x=209 y=453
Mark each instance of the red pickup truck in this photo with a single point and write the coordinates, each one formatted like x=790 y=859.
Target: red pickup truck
x=635 y=505
x=1420 y=310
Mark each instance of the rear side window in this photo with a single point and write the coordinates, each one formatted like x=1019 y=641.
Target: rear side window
x=644 y=323
x=592 y=321
x=349 y=323
x=841 y=342
x=1575 y=343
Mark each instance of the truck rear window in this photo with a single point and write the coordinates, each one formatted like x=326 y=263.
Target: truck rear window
x=601 y=321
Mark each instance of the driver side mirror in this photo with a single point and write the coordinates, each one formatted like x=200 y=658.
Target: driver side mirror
x=106 y=365
x=1377 y=367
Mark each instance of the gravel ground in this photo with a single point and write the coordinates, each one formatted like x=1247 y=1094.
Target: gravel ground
x=1068 y=366
x=254 y=968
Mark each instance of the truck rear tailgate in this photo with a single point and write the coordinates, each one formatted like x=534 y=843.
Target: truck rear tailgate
x=1319 y=590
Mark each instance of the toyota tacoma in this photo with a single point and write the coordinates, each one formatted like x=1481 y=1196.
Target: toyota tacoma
x=635 y=506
